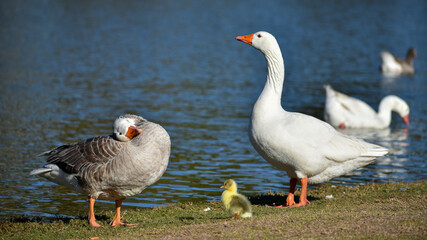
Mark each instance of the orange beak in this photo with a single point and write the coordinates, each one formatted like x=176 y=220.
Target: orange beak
x=246 y=39
x=222 y=186
x=133 y=132
x=406 y=119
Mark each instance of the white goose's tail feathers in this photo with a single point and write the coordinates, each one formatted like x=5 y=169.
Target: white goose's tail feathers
x=330 y=92
x=375 y=151
x=328 y=88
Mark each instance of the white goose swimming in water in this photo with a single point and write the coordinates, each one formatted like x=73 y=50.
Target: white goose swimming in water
x=347 y=112
x=303 y=146
x=393 y=66
x=111 y=167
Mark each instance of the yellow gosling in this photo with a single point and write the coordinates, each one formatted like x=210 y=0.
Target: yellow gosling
x=235 y=203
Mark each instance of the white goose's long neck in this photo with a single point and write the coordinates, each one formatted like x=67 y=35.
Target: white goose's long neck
x=384 y=111
x=272 y=92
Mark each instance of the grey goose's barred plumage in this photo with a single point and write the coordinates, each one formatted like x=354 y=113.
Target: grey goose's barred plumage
x=104 y=167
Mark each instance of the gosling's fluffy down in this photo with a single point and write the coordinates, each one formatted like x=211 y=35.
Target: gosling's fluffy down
x=235 y=203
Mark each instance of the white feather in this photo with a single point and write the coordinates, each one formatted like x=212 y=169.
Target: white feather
x=53 y=173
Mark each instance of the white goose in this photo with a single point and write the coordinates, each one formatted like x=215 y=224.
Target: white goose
x=347 y=112
x=303 y=146
x=393 y=66
x=111 y=167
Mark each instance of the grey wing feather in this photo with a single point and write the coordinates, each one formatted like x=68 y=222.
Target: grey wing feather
x=72 y=157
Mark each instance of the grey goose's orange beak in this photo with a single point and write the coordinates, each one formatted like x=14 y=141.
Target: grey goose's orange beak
x=133 y=132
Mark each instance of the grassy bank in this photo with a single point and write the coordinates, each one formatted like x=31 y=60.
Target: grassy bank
x=375 y=211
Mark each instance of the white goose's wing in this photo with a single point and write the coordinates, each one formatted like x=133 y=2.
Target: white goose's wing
x=353 y=105
x=318 y=151
x=341 y=148
x=318 y=138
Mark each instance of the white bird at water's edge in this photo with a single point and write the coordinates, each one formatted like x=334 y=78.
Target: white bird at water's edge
x=305 y=147
x=111 y=167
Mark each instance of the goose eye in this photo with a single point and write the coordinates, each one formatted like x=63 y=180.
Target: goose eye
x=259 y=35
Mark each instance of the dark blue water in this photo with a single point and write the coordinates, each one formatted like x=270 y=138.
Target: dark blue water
x=68 y=68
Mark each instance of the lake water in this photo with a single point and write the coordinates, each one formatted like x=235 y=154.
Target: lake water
x=68 y=68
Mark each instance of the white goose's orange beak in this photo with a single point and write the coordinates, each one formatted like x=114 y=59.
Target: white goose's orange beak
x=133 y=132
x=246 y=39
x=406 y=119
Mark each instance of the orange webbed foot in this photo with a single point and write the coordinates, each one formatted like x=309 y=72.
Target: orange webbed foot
x=118 y=223
x=290 y=200
x=278 y=206
x=294 y=204
x=94 y=223
x=300 y=204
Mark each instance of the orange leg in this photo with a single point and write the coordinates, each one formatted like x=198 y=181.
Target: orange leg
x=235 y=216
x=303 y=197
x=91 y=214
x=290 y=199
x=116 y=220
x=290 y=202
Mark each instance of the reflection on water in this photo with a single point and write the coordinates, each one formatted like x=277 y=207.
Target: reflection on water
x=395 y=140
x=68 y=68
x=397 y=164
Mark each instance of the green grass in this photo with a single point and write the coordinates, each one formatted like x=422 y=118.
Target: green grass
x=375 y=211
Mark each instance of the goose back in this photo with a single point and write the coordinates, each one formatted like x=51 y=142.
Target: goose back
x=106 y=168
